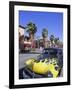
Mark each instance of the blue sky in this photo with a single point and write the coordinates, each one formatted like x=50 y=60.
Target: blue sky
x=53 y=21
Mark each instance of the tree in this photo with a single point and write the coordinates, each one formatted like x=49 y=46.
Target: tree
x=45 y=37
x=31 y=29
x=38 y=42
x=56 y=41
x=52 y=39
x=60 y=44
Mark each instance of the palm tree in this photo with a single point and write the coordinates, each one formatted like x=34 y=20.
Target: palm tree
x=56 y=41
x=60 y=44
x=38 y=38
x=45 y=37
x=52 y=39
x=31 y=29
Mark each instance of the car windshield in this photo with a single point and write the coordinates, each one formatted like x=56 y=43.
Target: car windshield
x=51 y=52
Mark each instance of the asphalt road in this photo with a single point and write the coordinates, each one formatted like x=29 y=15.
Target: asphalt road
x=23 y=58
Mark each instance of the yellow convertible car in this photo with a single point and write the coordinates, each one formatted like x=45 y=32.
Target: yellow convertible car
x=43 y=66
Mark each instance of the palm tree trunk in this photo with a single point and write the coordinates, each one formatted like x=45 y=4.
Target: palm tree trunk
x=31 y=37
x=45 y=42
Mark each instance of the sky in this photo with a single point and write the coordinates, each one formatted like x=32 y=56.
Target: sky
x=53 y=21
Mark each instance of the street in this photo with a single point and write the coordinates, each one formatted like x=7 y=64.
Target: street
x=24 y=57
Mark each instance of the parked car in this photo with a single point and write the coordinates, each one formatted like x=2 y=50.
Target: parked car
x=52 y=53
x=48 y=64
